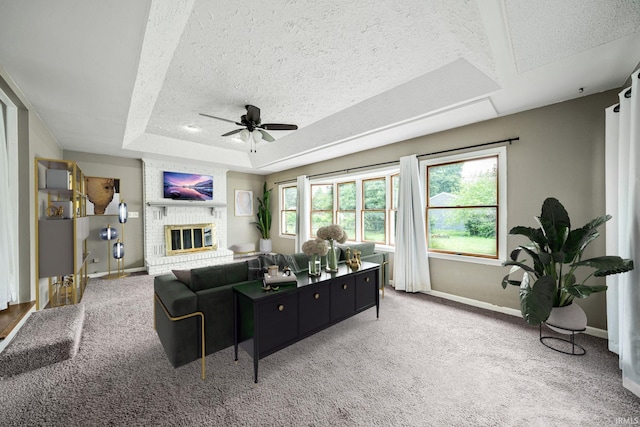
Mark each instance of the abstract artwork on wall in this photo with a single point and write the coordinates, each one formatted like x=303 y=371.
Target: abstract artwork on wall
x=244 y=203
x=103 y=195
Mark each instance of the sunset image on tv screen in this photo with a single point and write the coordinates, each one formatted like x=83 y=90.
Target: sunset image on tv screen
x=187 y=186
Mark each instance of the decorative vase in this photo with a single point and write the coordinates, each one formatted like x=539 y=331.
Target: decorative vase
x=265 y=246
x=314 y=266
x=332 y=259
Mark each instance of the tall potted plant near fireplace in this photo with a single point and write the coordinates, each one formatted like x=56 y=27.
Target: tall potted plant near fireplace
x=264 y=219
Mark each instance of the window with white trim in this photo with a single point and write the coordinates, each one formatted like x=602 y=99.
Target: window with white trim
x=466 y=204
x=288 y=210
x=321 y=206
x=346 y=207
x=361 y=204
x=374 y=210
x=393 y=212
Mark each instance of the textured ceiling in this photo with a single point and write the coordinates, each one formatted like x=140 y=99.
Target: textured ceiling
x=301 y=62
x=130 y=78
x=540 y=38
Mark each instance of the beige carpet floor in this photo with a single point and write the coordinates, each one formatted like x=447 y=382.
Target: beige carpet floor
x=425 y=362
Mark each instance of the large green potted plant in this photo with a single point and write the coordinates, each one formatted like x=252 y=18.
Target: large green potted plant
x=556 y=256
x=264 y=219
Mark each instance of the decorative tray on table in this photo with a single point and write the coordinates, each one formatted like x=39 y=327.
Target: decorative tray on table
x=273 y=283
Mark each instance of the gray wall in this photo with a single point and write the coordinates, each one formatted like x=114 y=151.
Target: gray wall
x=239 y=228
x=129 y=171
x=560 y=154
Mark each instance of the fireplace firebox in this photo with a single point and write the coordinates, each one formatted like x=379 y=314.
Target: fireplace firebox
x=181 y=239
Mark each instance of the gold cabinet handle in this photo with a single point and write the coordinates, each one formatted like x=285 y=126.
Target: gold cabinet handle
x=366 y=279
x=316 y=295
x=344 y=286
x=281 y=307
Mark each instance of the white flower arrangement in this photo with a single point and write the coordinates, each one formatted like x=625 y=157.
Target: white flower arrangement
x=315 y=247
x=332 y=232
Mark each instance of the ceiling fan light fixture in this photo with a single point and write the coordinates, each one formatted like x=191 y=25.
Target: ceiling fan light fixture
x=257 y=136
x=255 y=131
x=244 y=135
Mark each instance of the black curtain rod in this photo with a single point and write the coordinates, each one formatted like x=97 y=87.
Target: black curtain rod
x=484 y=144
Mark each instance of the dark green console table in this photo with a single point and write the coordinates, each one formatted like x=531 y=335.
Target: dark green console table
x=266 y=322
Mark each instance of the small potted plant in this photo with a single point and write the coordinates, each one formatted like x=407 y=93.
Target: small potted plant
x=263 y=215
x=556 y=255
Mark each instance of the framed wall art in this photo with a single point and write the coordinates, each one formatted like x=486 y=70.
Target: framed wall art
x=244 y=203
x=103 y=195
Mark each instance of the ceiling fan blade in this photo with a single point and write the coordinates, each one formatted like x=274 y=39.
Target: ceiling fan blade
x=278 y=126
x=253 y=113
x=233 y=132
x=266 y=136
x=218 y=118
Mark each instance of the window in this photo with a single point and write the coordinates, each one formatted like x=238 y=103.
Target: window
x=11 y=286
x=346 y=212
x=464 y=206
x=288 y=212
x=393 y=212
x=321 y=206
x=374 y=212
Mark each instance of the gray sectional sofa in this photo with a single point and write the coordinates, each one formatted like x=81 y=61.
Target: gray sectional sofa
x=186 y=302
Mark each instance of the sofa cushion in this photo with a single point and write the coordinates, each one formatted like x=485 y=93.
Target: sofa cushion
x=299 y=261
x=280 y=260
x=366 y=249
x=177 y=298
x=183 y=275
x=217 y=306
x=218 y=275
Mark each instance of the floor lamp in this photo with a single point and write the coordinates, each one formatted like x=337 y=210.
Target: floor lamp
x=118 y=247
x=108 y=234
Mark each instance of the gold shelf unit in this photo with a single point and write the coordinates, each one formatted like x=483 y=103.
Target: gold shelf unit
x=61 y=240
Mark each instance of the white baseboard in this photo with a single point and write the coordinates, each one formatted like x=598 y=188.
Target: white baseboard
x=631 y=385
x=600 y=333
x=127 y=270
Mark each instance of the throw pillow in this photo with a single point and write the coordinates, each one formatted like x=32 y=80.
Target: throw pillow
x=183 y=275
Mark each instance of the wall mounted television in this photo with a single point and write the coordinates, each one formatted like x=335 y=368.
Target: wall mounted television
x=187 y=186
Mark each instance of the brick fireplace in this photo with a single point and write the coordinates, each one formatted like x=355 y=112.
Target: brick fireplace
x=160 y=213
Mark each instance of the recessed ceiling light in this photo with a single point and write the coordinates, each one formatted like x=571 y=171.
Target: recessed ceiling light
x=191 y=128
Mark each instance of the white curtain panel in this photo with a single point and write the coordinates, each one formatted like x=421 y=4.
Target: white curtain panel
x=411 y=264
x=623 y=231
x=8 y=267
x=303 y=212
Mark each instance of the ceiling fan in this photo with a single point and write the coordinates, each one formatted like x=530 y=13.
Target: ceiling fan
x=252 y=122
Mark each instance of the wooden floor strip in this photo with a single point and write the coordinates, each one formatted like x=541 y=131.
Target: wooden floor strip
x=10 y=317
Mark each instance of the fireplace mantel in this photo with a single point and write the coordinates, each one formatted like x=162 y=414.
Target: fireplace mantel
x=166 y=204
